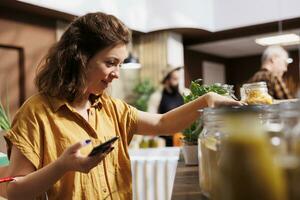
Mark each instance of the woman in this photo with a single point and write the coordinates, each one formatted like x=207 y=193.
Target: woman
x=54 y=131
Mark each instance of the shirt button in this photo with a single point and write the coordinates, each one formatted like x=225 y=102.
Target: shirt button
x=92 y=112
x=104 y=190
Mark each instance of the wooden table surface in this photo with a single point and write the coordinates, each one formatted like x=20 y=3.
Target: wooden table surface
x=186 y=184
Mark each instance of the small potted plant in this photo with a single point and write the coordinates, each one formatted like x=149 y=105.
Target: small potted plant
x=191 y=134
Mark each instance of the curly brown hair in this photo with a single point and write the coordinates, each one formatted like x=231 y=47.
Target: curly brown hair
x=63 y=73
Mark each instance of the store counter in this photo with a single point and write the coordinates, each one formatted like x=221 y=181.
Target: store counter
x=186 y=184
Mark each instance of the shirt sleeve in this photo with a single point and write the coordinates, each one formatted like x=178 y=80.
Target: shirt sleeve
x=25 y=135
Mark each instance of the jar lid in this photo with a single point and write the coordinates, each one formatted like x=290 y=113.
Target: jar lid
x=289 y=109
x=295 y=105
x=238 y=109
x=255 y=84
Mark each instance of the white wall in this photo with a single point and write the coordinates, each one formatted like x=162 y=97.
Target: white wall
x=142 y=15
x=175 y=50
x=163 y=14
x=175 y=54
x=237 y=13
x=212 y=15
x=132 y=12
x=213 y=73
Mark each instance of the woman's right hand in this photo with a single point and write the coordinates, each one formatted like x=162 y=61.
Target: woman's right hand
x=73 y=160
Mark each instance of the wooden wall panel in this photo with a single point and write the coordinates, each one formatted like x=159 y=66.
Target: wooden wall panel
x=192 y=66
x=193 y=61
x=34 y=34
x=9 y=76
x=239 y=70
x=292 y=76
x=152 y=51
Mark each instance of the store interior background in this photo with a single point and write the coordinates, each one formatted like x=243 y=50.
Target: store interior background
x=212 y=39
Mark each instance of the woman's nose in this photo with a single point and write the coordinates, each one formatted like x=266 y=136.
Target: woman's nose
x=115 y=74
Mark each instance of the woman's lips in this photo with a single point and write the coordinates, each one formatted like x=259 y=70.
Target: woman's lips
x=104 y=83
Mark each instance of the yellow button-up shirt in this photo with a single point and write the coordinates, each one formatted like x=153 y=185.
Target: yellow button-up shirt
x=45 y=126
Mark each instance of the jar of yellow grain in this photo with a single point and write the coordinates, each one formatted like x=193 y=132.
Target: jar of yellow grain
x=256 y=94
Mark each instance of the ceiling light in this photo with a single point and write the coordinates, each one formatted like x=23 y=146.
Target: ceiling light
x=131 y=62
x=283 y=39
x=131 y=66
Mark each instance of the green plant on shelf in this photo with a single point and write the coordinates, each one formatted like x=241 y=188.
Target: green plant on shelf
x=143 y=91
x=4 y=118
x=191 y=134
x=4 y=126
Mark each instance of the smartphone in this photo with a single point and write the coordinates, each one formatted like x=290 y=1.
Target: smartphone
x=103 y=147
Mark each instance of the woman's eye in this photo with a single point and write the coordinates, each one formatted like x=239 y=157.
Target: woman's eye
x=110 y=64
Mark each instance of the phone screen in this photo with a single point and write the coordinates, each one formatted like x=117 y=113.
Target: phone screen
x=103 y=147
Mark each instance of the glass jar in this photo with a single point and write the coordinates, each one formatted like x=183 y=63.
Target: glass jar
x=290 y=163
x=247 y=168
x=289 y=113
x=209 y=150
x=274 y=127
x=256 y=93
x=229 y=89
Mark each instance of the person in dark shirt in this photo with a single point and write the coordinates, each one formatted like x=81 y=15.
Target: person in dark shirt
x=275 y=61
x=168 y=98
x=171 y=97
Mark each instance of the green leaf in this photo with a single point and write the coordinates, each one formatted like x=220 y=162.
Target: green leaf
x=192 y=133
x=143 y=91
x=4 y=119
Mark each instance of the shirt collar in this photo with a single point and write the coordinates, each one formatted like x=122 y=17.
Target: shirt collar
x=96 y=101
x=57 y=103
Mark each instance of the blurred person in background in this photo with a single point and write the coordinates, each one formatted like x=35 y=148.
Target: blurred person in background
x=275 y=62
x=168 y=97
x=55 y=130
